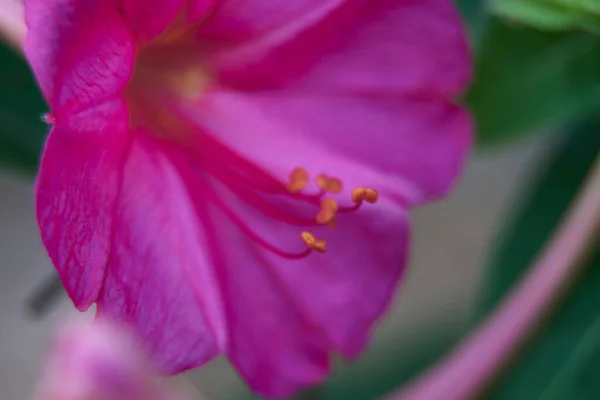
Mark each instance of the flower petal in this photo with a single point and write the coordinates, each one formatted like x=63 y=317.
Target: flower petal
x=235 y=21
x=272 y=345
x=99 y=361
x=275 y=348
x=411 y=46
x=78 y=183
x=341 y=292
x=158 y=279
x=149 y=21
x=412 y=149
x=81 y=51
x=12 y=23
x=198 y=8
x=347 y=289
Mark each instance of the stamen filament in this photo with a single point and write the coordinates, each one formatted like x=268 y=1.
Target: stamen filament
x=253 y=185
x=255 y=237
x=254 y=199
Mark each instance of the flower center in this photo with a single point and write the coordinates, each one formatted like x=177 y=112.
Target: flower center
x=169 y=73
x=169 y=67
x=286 y=202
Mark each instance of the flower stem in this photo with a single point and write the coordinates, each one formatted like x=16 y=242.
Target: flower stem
x=467 y=371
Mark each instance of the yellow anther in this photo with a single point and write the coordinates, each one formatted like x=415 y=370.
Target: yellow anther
x=298 y=180
x=313 y=243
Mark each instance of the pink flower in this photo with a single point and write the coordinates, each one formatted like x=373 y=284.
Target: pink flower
x=204 y=154
x=12 y=25
x=100 y=362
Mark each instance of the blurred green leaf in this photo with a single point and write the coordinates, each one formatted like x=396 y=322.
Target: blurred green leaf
x=380 y=371
x=552 y=14
x=475 y=13
x=529 y=81
x=391 y=367
x=563 y=360
x=22 y=131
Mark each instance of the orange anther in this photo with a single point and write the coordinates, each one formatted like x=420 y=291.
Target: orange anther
x=313 y=243
x=323 y=217
x=371 y=196
x=359 y=194
x=328 y=208
x=322 y=181
x=329 y=204
x=334 y=185
x=298 y=180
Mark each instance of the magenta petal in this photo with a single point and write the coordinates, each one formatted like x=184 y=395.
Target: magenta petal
x=159 y=279
x=12 y=23
x=147 y=21
x=99 y=361
x=348 y=288
x=78 y=183
x=198 y=8
x=361 y=46
x=272 y=344
x=274 y=347
x=341 y=292
x=411 y=149
x=81 y=51
x=236 y=21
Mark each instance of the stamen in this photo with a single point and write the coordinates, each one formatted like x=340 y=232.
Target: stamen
x=334 y=185
x=298 y=180
x=329 y=204
x=327 y=184
x=358 y=195
x=361 y=194
x=323 y=181
x=313 y=243
x=259 y=240
x=327 y=213
x=371 y=195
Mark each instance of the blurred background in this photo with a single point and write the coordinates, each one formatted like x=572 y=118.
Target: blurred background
x=535 y=99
